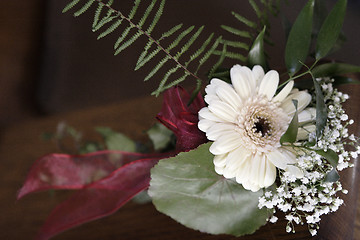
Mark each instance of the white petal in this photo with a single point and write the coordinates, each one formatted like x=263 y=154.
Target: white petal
x=270 y=174
x=228 y=95
x=220 y=160
x=258 y=73
x=284 y=92
x=278 y=159
x=254 y=169
x=211 y=97
x=205 y=113
x=251 y=186
x=219 y=129
x=223 y=111
x=303 y=132
x=307 y=115
x=235 y=161
x=214 y=84
x=269 y=84
x=243 y=173
x=295 y=171
x=242 y=81
x=303 y=99
x=219 y=170
x=204 y=124
x=225 y=144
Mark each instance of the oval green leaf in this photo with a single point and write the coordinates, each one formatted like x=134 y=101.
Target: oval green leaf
x=330 y=156
x=330 y=30
x=334 y=69
x=257 y=53
x=332 y=176
x=321 y=110
x=298 y=43
x=187 y=189
x=291 y=133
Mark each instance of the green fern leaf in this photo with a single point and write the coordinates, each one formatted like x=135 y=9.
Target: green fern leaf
x=244 y=20
x=110 y=29
x=237 y=32
x=84 y=8
x=70 y=6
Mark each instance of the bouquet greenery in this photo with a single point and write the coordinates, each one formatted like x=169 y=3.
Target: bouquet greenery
x=225 y=162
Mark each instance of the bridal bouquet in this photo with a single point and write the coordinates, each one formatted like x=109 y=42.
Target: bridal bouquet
x=246 y=143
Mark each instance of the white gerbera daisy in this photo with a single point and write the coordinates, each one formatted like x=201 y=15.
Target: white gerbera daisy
x=246 y=121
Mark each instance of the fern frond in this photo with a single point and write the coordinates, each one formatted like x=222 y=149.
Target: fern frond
x=142 y=61
x=110 y=29
x=70 y=6
x=208 y=53
x=244 y=20
x=219 y=62
x=237 y=32
x=200 y=50
x=256 y=8
x=156 y=17
x=236 y=44
x=84 y=8
x=231 y=55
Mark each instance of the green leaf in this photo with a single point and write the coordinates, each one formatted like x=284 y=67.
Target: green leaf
x=321 y=111
x=257 y=54
x=291 y=133
x=334 y=69
x=332 y=176
x=330 y=30
x=320 y=14
x=187 y=189
x=298 y=43
x=344 y=80
x=116 y=141
x=160 y=136
x=330 y=156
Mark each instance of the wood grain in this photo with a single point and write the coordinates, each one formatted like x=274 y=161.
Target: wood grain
x=21 y=145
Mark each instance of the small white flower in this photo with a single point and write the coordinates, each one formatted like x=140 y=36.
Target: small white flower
x=273 y=219
x=246 y=121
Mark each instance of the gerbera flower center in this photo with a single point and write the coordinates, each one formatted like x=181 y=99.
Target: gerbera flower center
x=261 y=124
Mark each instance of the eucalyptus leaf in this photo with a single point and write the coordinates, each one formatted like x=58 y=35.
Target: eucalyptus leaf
x=187 y=188
x=321 y=111
x=116 y=141
x=298 y=43
x=330 y=30
x=160 y=136
x=338 y=80
x=257 y=53
x=334 y=69
x=330 y=156
x=332 y=176
x=291 y=133
x=320 y=14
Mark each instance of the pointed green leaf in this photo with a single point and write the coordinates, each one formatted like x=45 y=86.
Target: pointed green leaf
x=321 y=111
x=187 y=189
x=298 y=43
x=257 y=54
x=116 y=141
x=330 y=30
x=332 y=176
x=334 y=69
x=330 y=156
x=291 y=133
x=344 y=80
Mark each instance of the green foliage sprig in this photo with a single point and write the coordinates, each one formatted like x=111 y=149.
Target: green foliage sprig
x=107 y=19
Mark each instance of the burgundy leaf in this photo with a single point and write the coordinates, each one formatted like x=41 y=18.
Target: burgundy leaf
x=100 y=198
x=182 y=119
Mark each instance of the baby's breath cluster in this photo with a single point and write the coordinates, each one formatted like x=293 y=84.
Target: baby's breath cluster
x=304 y=200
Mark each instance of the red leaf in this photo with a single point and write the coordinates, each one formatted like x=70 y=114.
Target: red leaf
x=100 y=198
x=62 y=171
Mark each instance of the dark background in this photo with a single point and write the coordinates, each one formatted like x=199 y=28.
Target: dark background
x=52 y=63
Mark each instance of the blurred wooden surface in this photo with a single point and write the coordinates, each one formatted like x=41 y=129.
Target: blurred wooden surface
x=21 y=145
